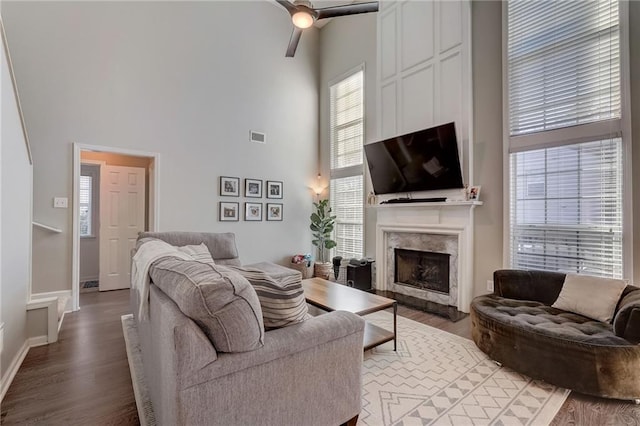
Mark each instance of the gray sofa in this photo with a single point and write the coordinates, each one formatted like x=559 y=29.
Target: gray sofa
x=307 y=373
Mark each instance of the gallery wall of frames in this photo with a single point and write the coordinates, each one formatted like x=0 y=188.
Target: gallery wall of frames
x=252 y=209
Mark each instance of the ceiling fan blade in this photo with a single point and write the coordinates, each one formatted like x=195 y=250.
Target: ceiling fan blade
x=287 y=5
x=347 y=9
x=293 y=42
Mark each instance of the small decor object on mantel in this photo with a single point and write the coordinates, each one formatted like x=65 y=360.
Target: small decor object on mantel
x=474 y=193
x=228 y=212
x=229 y=186
x=274 y=189
x=252 y=212
x=322 y=224
x=274 y=212
x=253 y=188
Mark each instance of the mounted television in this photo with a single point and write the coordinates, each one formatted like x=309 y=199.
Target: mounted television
x=420 y=161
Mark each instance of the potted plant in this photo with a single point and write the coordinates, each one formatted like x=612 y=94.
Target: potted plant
x=322 y=224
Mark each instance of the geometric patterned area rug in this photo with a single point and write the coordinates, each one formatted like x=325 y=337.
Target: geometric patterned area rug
x=134 y=356
x=437 y=378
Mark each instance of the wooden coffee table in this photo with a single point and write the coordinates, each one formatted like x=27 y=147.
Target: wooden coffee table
x=331 y=296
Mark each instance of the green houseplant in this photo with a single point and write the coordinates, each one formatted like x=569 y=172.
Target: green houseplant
x=322 y=224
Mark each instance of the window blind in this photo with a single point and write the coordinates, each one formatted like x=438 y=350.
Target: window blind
x=347 y=205
x=566 y=209
x=86 y=194
x=347 y=112
x=346 y=101
x=563 y=64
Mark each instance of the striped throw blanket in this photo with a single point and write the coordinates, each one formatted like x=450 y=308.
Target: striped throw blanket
x=281 y=299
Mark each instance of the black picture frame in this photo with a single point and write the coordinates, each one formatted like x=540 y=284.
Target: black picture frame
x=275 y=189
x=252 y=212
x=228 y=211
x=229 y=186
x=274 y=212
x=253 y=188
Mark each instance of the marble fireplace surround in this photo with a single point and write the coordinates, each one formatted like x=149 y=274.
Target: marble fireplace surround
x=430 y=242
x=445 y=227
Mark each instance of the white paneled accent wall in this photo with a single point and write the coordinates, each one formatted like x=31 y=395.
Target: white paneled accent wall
x=424 y=69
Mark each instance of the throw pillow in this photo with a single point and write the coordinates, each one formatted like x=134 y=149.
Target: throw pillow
x=221 y=302
x=281 y=298
x=199 y=253
x=593 y=297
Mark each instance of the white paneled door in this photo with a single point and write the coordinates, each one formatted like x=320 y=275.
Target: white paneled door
x=122 y=213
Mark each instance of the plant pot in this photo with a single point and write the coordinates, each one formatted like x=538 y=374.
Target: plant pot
x=323 y=270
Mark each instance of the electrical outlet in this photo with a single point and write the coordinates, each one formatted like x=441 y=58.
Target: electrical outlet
x=60 y=202
x=489 y=285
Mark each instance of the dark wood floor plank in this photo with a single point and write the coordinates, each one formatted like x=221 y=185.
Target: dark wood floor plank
x=83 y=379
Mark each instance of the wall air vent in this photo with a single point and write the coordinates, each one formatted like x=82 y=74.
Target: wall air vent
x=257 y=137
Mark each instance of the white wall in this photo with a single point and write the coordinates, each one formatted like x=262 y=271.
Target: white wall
x=15 y=223
x=487 y=126
x=346 y=43
x=634 y=48
x=185 y=80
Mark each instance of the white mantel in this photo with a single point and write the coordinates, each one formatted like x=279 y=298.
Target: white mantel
x=453 y=218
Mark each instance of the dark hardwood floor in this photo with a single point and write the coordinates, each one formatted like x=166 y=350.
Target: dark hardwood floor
x=83 y=379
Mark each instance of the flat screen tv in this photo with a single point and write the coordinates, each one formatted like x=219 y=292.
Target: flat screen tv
x=420 y=161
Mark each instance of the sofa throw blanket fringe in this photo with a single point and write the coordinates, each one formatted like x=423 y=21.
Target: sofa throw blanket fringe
x=146 y=254
x=281 y=299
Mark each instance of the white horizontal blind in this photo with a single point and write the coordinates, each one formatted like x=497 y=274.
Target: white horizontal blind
x=347 y=205
x=566 y=209
x=86 y=210
x=563 y=64
x=347 y=181
x=347 y=112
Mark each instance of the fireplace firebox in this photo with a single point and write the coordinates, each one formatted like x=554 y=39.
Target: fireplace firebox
x=425 y=270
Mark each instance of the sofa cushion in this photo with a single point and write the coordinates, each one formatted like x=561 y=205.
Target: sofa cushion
x=274 y=270
x=526 y=317
x=221 y=302
x=593 y=297
x=281 y=299
x=199 y=253
x=222 y=246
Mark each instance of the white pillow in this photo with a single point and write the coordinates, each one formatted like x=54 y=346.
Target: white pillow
x=593 y=297
x=199 y=253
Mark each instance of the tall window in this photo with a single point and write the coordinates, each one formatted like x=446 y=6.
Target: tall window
x=346 y=188
x=565 y=136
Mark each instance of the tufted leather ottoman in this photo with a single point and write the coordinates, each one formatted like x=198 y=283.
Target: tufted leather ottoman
x=559 y=347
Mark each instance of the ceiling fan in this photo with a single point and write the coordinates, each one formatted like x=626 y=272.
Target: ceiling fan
x=303 y=15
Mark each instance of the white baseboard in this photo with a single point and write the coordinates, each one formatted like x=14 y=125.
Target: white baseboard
x=13 y=369
x=38 y=341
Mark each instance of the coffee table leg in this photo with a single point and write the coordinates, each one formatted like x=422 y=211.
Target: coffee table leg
x=395 y=329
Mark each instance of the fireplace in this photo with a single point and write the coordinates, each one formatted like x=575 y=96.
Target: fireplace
x=425 y=270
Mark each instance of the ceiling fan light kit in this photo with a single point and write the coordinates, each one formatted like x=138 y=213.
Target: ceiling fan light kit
x=303 y=15
x=302 y=19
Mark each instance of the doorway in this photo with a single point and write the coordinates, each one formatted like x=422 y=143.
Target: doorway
x=115 y=197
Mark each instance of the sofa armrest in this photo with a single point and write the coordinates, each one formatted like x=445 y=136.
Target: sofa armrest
x=539 y=286
x=309 y=373
x=282 y=342
x=626 y=323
